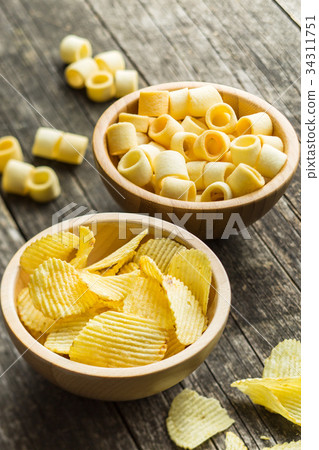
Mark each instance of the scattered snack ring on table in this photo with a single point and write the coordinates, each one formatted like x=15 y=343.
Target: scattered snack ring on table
x=9 y=149
x=73 y=48
x=112 y=61
x=46 y=142
x=100 y=86
x=126 y=81
x=43 y=184
x=226 y=155
x=15 y=177
x=116 y=312
x=78 y=72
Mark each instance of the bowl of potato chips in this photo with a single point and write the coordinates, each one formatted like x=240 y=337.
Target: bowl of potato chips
x=188 y=150
x=118 y=307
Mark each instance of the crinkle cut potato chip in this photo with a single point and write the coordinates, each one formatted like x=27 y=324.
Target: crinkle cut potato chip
x=116 y=339
x=294 y=445
x=32 y=318
x=86 y=244
x=189 y=319
x=233 y=442
x=58 y=245
x=160 y=250
x=193 y=268
x=114 y=270
x=112 y=288
x=148 y=299
x=64 y=331
x=57 y=290
x=173 y=344
x=284 y=360
x=192 y=419
x=278 y=395
x=119 y=255
x=150 y=268
x=128 y=267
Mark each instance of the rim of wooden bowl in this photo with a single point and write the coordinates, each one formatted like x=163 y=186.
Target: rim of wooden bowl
x=214 y=329
x=110 y=115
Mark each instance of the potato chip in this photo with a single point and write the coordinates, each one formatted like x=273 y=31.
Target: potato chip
x=113 y=270
x=57 y=290
x=187 y=312
x=150 y=268
x=284 y=360
x=112 y=288
x=119 y=255
x=160 y=250
x=294 y=445
x=148 y=299
x=31 y=317
x=115 y=339
x=233 y=442
x=173 y=344
x=64 y=331
x=58 y=245
x=278 y=395
x=193 y=268
x=86 y=244
x=192 y=419
x=129 y=267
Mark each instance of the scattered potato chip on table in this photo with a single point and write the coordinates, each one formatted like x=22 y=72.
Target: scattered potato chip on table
x=233 y=442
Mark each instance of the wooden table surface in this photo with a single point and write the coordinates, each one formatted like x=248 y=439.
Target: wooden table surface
x=249 y=44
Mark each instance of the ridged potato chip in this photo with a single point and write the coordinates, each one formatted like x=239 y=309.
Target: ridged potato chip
x=58 y=245
x=294 y=445
x=160 y=250
x=86 y=244
x=284 y=360
x=119 y=255
x=32 y=318
x=115 y=339
x=187 y=312
x=148 y=299
x=193 y=268
x=278 y=395
x=173 y=344
x=129 y=267
x=57 y=290
x=114 y=270
x=64 y=331
x=150 y=268
x=233 y=442
x=112 y=288
x=192 y=419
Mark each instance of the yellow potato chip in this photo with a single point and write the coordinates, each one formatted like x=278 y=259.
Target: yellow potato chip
x=64 y=331
x=233 y=442
x=119 y=255
x=187 y=312
x=114 y=306
x=129 y=267
x=150 y=268
x=278 y=395
x=284 y=360
x=160 y=250
x=148 y=299
x=193 y=268
x=115 y=339
x=58 y=245
x=112 y=288
x=294 y=445
x=113 y=270
x=57 y=290
x=86 y=244
x=31 y=317
x=192 y=419
x=173 y=344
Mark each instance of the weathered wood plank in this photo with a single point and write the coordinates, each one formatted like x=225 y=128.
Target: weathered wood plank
x=292 y=8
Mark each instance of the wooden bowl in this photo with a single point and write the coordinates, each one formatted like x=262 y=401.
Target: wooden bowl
x=126 y=383
x=250 y=207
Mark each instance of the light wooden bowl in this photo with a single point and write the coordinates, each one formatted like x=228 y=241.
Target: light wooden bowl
x=127 y=383
x=251 y=207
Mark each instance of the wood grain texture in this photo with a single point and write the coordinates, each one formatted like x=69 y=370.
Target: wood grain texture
x=164 y=41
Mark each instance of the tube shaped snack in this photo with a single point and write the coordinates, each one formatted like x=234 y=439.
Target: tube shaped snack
x=245 y=149
x=43 y=184
x=121 y=137
x=202 y=98
x=178 y=103
x=126 y=81
x=217 y=171
x=211 y=145
x=178 y=189
x=275 y=141
x=270 y=161
x=259 y=123
x=216 y=191
x=77 y=73
x=163 y=128
x=15 y=177
x=170 y=163
x=73 y=48
x=111 y=61
x=9 y=149
x=72 y=148
x=195 y=171
x=135 y=166
x=244 y=179
x=221 y=117
x=153 y=103
x=151 y=151
x=193 y=125
x=140 y=123
x=100 y=86
x=46 y=142
x=183 y=143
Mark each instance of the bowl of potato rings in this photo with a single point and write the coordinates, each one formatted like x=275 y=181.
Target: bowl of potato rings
x=115 y=306
x=187 y=150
